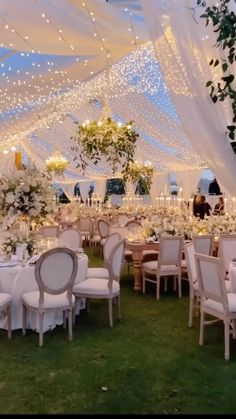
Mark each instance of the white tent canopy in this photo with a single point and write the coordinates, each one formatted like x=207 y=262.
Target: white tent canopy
x=54 y=57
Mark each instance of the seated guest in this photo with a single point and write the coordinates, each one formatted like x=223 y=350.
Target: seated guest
x=219 y=207
x=204 y=208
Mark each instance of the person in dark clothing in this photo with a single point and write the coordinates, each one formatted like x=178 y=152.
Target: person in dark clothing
x=214 y=188
x=219 y=207
x=196 y=203
x=204 y=208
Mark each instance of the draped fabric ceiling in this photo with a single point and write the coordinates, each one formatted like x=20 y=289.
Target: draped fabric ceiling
x=54 y=60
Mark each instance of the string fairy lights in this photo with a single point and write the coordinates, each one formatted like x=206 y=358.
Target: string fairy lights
x=37 y=96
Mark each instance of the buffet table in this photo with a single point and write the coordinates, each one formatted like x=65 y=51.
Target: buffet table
x=17 y=280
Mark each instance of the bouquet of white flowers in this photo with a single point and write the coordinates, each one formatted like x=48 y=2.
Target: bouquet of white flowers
x=26 y=193
x=11 y=241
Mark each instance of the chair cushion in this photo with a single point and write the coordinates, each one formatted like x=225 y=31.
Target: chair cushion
x=128 y=253
x=95 y=239
x=4 y=298
x=97 y=273
x=152 y=266
x=50 y=301
x=150 y=252
x=96 y=286
x=183 y=263
x=211 y=304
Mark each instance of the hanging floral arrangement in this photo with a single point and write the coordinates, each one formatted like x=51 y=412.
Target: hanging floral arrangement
x=136 y=171
x=105 y=139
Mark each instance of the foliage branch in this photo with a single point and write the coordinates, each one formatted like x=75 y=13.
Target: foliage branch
x=224 y=23
x=136 y=171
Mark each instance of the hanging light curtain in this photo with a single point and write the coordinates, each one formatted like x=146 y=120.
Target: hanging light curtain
x=188 y=180
x=100 y=187
x=159 y=184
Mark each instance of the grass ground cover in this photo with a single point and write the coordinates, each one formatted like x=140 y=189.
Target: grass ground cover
x=150 y=362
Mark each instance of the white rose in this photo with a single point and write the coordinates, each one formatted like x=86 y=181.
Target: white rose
x=10 y=198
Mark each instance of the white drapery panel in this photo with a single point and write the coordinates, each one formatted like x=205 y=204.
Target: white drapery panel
x=68 y=188
x=84 y=189
x=159 y=184
x=183 y=47
x=100 y=187
x=188 y=180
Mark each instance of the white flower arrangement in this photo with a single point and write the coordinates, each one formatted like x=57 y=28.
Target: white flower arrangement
x=26 y=193
x=11 y=241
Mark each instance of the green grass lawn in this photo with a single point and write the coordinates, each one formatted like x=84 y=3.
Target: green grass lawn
x=149 y=362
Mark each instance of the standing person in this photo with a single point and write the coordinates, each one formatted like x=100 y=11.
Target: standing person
x=204 y=208
x=219 y=207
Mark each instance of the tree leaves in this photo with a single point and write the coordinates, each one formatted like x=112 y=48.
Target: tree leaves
x=224 y=23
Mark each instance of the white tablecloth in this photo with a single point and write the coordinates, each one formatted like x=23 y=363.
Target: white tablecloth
x=18 y=280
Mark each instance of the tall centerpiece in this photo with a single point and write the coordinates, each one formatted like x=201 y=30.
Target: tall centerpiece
x=26 y=195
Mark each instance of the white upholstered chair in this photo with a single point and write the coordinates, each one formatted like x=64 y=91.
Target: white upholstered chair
x=85 y=225
x=109 y=244
x=104 y=232
x=5 y=310
x=70 y=238
x=227 y=250
x=168 y=264
x=55 y=273
x=215 y=300
x=203 y=244
x=101 y=288
x=194 y=297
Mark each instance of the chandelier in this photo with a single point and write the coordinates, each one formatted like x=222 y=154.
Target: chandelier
x=57 y=164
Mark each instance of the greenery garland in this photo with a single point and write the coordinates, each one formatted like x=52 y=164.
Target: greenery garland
x=224 y=23
x=105 y=138
x=136 y=171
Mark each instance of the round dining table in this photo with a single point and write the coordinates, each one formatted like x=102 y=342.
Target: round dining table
x=19 y=279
